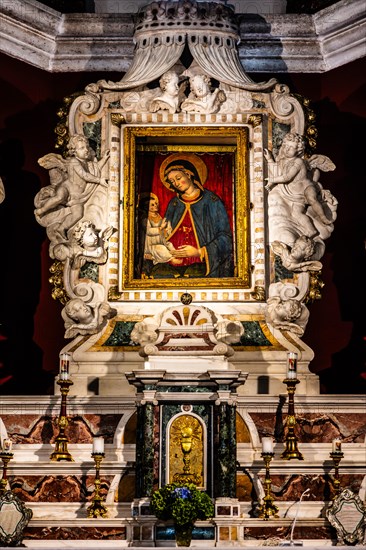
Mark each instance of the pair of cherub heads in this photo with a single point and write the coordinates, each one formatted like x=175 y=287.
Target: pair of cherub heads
x=202 y=98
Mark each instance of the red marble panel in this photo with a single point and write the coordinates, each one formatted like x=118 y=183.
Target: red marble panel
x=291 y=487
x=57 y=488
x=244 y=487
x=44 y=429
x=75 y=533
x=313 y=427
x=267 y=532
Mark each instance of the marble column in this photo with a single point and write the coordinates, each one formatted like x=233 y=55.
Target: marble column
x=225 y=455
x=144 y=450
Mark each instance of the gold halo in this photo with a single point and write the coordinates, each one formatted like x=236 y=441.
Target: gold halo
x=197 y=162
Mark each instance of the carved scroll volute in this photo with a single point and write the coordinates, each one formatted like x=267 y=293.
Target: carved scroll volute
x=287 y=108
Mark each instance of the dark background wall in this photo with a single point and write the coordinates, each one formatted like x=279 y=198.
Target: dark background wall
x=31 y=330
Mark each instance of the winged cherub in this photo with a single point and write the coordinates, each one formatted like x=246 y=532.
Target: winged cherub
x=298 y=181
x=73 y=181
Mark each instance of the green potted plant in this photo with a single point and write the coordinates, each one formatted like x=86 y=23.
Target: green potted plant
x=184 y=504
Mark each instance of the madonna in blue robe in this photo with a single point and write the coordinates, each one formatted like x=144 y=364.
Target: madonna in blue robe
x=200 y=217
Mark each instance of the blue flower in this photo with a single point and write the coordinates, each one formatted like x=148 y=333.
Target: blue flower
x=182 y=492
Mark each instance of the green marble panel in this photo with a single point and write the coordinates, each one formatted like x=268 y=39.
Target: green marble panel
x=278 y=133
x=280 y=271
x=89 y=271
x=121 y=335
x=185 y=389
x=258 y=104
x=92 y=130
x=253 y=335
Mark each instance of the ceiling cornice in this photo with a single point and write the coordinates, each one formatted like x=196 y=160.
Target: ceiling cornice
x=55 y=42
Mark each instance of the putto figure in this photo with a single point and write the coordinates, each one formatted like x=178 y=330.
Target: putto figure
x=172 y=94
x=298 y=258
x=86 y=243
x=60 y=206
x=82 y=318
x=202 y=99
x=296 y=196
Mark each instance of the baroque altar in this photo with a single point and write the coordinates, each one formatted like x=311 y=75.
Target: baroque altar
x=187 y=219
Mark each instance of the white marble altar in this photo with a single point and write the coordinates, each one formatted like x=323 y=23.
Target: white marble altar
x=187 y=220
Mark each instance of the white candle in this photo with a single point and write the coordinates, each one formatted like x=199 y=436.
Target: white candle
x=7 y=445
x=336 y=445
x=291 y=364
x=64 y=365
x=267 y=445
x=98 y=445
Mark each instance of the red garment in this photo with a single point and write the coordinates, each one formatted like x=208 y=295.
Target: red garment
x=185 y=235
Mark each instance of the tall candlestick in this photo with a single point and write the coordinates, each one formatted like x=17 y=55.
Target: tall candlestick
x=337 y=455
x=268 y=508
x=291 y=450
x=61 y=451
x=97 y=507
x=267 y=445
x=6 y=455
x=291 y=365
x=98 y=445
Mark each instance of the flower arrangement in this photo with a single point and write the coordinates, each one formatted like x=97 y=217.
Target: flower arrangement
x=184 y=504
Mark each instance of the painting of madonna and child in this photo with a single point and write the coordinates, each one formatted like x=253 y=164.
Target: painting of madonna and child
x=185 y=219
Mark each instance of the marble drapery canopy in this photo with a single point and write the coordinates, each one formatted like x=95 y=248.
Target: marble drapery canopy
x=211 y=32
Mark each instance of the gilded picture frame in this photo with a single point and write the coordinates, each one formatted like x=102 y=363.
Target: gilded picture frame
x=185 y=208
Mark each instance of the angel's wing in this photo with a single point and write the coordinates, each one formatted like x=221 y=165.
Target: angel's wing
x=279 y=248
x=107 y=232
x=53 y=161
x=321 y=162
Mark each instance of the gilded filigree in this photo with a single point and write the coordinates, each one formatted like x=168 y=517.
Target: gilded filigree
x=117 y=119
x=259 y=293
x=57 y=280
x=114 y=294
x=315 y=286
x=186 y=450
x=255 y=120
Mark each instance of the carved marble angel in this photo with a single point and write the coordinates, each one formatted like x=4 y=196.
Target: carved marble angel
x=297 y=199
x=289 y=314
x=60 y=206
x=298 y=258
x=82 y=318
x=86 y=243
x=145 y=332
x=285 y=310
x=202 y=99
x=171 y=96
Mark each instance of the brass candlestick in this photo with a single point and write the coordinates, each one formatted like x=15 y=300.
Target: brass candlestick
x=336 y=456
x=291 y=450
x=61 y=452
x=97 y=508
x=5 y=457
x=268 y=508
